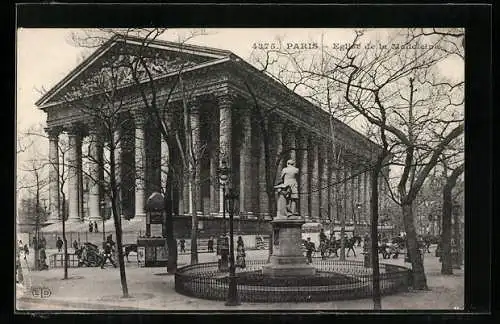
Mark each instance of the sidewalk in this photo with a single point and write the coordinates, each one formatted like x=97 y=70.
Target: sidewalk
x=153 y=289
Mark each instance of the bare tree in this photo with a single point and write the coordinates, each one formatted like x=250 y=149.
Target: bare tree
x=424 y=110
x=451 y=179
x=140 y=65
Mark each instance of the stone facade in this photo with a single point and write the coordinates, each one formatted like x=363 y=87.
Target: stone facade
x=235 y=113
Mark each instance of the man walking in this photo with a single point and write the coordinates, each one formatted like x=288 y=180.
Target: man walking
x=108 y=250
x=59 y=244
x=211 y=244
x=309 y=250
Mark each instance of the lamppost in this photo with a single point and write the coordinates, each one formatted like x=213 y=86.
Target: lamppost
x=222 y=244
x=232 y=295
x=103 y=209
x=223 y=172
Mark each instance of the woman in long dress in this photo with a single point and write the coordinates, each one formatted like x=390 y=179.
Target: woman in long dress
x=240 y=253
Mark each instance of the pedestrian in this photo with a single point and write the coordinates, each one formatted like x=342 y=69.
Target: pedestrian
x=211 y=244
x=240 y=253
x=75 y=245
x=91 y=227
x=322 y=235
x=182 y=244
x=95 y=227
x=26 y=251
x=59 y=244
x=309 y=249
x=43 y=259
x=108 y=250
x=20 y=246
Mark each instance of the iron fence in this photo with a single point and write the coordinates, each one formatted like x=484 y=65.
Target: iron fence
x=335 y=280
x=56 y=260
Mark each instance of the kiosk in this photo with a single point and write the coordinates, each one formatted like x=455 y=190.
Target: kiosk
x=152 y=247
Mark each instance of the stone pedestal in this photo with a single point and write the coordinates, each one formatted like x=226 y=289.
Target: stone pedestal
x=288 y=259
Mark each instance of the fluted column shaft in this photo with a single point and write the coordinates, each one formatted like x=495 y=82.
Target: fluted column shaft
x=95 y=151
x=79 y=171
x=73 y=210
x=333 y=186
x=263 y=198
x=366 y=190
x=325 y=183
x=292 y=144
x=225 y=139
x=278 y=149
x=214 y=176
x=118 y=169
x=304 y=189
x=348 y=192
x=246 y=180
x=54 y=191
x=140 y=157
x=315 y=182
x=195 y=137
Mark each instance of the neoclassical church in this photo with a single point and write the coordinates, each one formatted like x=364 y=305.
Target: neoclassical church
x=235 y=113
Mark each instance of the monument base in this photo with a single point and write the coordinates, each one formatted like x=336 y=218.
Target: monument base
x=288 y=259
x=288 y=270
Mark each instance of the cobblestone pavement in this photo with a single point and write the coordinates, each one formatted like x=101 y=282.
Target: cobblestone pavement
x=153 y=289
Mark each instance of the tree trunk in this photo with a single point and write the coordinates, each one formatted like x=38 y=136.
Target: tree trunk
x=169 y=200
x=377 y=303
x=194 y=218
x=65 y=240
x=117 y=221
x=446 y=262
x=417 y=265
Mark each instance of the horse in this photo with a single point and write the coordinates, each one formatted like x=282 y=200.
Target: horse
x=349 y=245
x=127 y=248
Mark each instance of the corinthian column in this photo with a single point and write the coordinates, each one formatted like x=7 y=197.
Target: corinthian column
x=54 y=208
x=73 y=210
x=225 y=138
x=246 y=180
x=140 y=157
x=315 y=182
x=325 y=182
x=195 y=137
x=95 y=150
x=263 y=198
x=118 y=169
x=278 y=148
x=304 y=189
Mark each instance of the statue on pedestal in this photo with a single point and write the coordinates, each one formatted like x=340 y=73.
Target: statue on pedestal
x=288 y=193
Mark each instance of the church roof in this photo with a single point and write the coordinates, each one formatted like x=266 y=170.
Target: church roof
x=174 y=56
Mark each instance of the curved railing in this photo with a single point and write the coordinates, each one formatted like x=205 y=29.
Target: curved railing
x=205 y=281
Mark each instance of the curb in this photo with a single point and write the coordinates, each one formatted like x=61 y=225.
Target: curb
x=75 y=304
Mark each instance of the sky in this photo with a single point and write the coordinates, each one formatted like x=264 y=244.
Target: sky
x=45 y=56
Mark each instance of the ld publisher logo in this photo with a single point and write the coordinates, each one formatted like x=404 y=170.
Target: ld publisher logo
x=41 y=292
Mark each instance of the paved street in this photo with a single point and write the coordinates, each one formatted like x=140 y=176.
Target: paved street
x=153 y=289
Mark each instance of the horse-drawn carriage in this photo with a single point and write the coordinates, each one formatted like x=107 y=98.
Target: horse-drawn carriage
x=89 y=255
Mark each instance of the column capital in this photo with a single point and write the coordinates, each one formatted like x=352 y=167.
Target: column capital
x=225 y=99
x=139 y=119
x=75 y=129
x=53 y=131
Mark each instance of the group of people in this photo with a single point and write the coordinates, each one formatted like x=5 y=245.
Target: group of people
x=93 y=227
x=240 y=249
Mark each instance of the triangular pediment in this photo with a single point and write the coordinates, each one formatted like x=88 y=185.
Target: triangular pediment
x=118 y=63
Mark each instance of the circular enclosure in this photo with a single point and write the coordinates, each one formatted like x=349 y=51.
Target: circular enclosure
x=334 y=280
